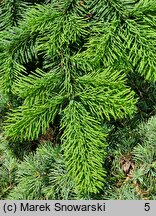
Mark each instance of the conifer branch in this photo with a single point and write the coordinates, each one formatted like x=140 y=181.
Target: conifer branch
x=82 y=52
x=11 y=12
x=26 y=123
x=43 y=176
x=105 y=94
x=38 y=86
x=141 y=44
x=83 y=145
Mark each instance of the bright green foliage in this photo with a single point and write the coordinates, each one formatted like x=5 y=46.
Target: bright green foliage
x=84 y=147
x=11 y=12
x=105 y=94
x=39 y=87
x=68 y=62
x=126 y=39
x=26 y=122
x=3 y=102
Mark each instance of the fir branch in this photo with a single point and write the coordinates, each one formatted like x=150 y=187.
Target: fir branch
x=26 y=123
x=107 y=10
x=87 y=50
x=105 y=94
x=38 y=86
x=11 y=13
x=130 y=46
x=10 y=71
x=141 y=44
x=144 y=7
x=40 y=17
x=64 y=32
x=105 y=47
x=18 y=44
x=18 y=48
x=84 y=148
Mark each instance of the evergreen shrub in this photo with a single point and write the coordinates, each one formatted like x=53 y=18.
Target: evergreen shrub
x=67 y=68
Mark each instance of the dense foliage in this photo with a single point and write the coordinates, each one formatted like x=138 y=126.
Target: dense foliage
x=78 y=99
